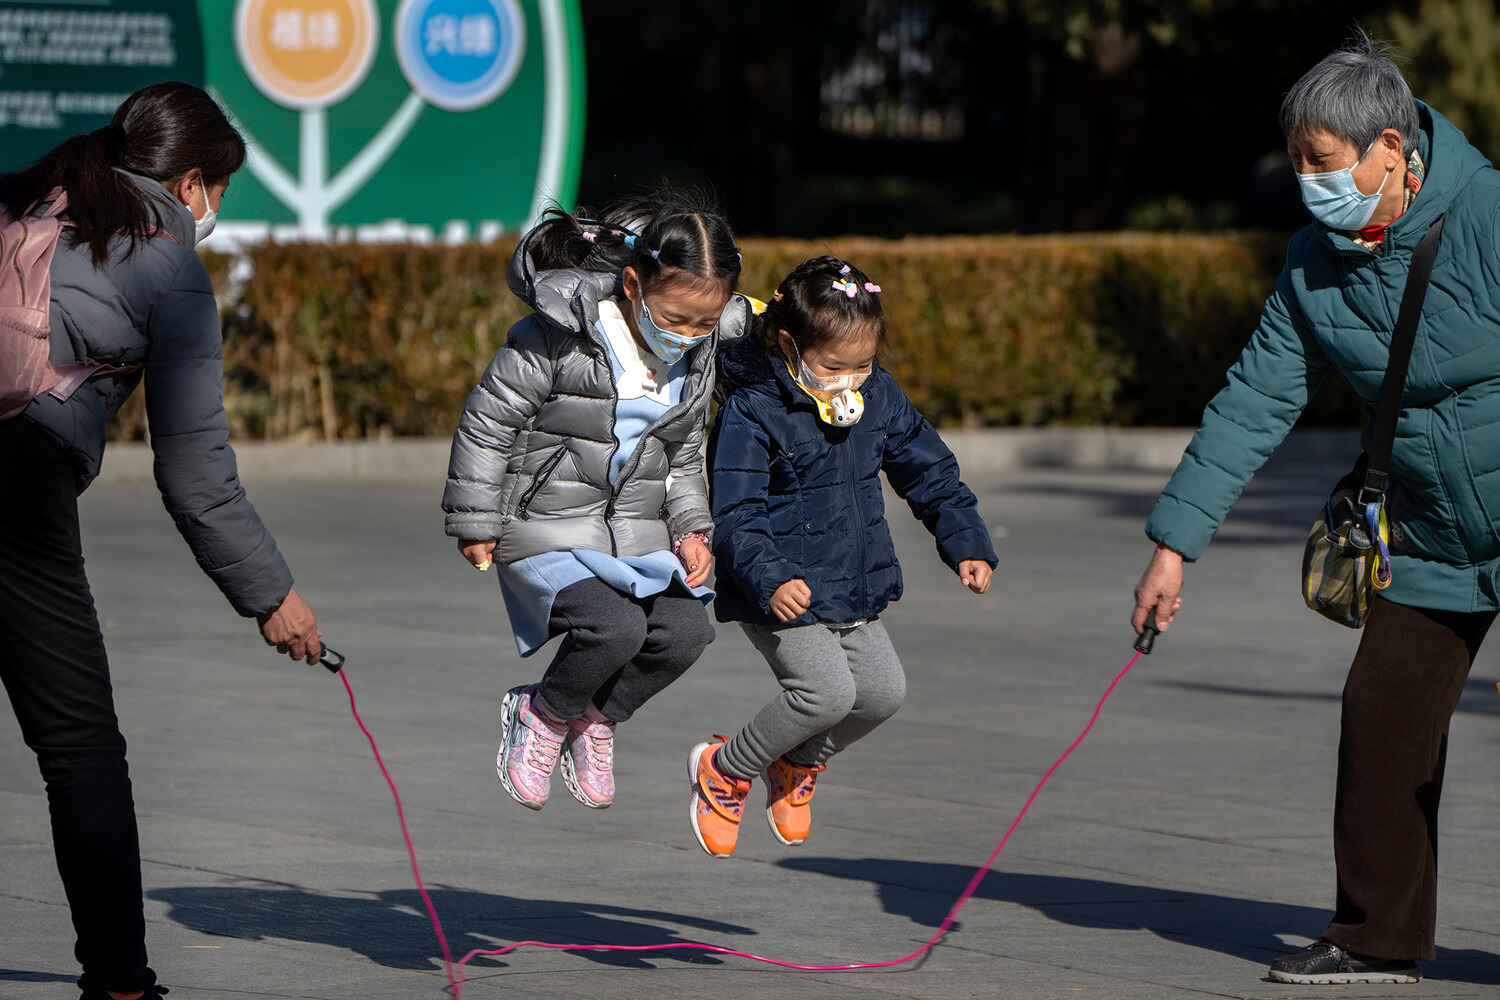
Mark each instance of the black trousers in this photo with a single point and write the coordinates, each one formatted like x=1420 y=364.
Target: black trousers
x=620 y=651
x=1402 y=690
x=54 y=669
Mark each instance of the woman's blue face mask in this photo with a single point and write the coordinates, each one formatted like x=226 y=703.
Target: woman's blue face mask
x=1336 y=201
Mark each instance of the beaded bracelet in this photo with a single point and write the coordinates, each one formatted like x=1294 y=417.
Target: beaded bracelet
x=677 y=545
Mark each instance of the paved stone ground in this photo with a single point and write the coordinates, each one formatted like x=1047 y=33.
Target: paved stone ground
x=1179 y=850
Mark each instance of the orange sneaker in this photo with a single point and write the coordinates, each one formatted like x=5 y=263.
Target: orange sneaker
x=718 y=801
x=789 y=789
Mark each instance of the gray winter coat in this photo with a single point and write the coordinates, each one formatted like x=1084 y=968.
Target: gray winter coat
x=531 y=456
x=156 y=309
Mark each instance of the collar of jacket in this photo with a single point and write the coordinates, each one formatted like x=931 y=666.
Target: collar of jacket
x=172 y=215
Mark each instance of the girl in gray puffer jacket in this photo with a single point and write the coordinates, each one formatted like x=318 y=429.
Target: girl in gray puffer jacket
x=576 y=466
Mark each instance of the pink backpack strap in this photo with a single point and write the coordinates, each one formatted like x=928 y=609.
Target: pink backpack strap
x=59 y=204
x=73 y=376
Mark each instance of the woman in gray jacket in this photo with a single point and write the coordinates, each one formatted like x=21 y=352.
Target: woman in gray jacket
x=576 y=466
x=131 y=302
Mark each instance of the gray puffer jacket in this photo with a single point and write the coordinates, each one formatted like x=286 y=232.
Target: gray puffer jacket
x=531 y=456
x=156 y=309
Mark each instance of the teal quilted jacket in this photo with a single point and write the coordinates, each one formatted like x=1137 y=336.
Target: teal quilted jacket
x=1333 y=309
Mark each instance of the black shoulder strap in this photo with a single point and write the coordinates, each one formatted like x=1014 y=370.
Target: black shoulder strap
x=1402 y=339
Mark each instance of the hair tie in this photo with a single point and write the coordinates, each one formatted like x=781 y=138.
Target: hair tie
x=114 y=140
x=656 y=255
x=844 y=270
x=849 y=288
x=591 y=237
x=871 y=287
x=630 y=240
x=739 y=257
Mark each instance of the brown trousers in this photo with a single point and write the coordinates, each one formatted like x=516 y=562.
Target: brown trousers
x=1402 y=690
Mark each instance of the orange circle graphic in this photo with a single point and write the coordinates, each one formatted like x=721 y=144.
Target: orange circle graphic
x=306 y=53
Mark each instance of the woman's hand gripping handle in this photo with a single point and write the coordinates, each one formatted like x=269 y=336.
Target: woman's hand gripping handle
x=1157 y=597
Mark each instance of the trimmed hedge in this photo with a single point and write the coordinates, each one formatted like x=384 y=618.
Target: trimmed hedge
x=325 y=342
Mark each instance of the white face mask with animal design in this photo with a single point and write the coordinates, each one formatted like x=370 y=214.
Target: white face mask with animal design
x=844 y=407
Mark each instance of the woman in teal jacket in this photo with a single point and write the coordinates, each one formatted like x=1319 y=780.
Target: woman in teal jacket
x=1376 y=168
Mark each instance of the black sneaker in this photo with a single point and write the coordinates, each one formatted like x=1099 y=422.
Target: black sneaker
x=1327 y=963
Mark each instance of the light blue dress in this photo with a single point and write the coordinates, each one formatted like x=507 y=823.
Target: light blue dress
x=529 y=586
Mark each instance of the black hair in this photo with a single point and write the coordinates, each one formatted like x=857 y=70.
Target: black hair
x=813 y=305
x=161 y=131
x=667 y=237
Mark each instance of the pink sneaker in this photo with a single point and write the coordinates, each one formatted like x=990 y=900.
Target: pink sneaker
x=528 y=755
x=588 y=759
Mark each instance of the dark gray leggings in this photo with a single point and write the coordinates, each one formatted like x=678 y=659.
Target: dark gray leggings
x=837 y=685
x=619 y=651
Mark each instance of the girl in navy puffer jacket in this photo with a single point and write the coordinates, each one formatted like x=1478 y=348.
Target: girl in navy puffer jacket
x=804 y=556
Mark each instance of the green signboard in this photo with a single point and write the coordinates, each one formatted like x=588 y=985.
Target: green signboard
x=366 y=119
x=65 y=67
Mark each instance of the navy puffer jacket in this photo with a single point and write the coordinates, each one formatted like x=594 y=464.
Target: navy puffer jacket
x=795 y=497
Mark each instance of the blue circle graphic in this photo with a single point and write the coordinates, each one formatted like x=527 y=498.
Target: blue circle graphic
x=460 y=54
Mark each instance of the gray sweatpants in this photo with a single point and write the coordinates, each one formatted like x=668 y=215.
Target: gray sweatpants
x=837 y=684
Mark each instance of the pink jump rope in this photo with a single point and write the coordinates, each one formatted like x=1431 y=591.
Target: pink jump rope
x=456 y=979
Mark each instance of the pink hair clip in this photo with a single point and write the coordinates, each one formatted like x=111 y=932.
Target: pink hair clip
x=849 y=288
x=871 y=287
x=591 y=237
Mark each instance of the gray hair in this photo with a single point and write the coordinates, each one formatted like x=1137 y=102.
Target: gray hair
x=1355 y=93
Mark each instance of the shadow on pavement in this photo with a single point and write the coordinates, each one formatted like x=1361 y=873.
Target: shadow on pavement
x=23 y=976
x=1245 y=928
x=1277 y=508
x=1479 y=697
x=392 y=927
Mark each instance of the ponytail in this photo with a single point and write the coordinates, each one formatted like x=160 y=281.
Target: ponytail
x=665 y=237
x=160 y=132
x=565 y=241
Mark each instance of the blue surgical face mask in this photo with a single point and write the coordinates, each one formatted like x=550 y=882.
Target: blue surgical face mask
x=1336 y=201
x=664 y=344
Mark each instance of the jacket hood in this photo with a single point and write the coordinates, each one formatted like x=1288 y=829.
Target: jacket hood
x=744 y=363
x=1451 y=164
x=172 y=215
x=569 y=297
